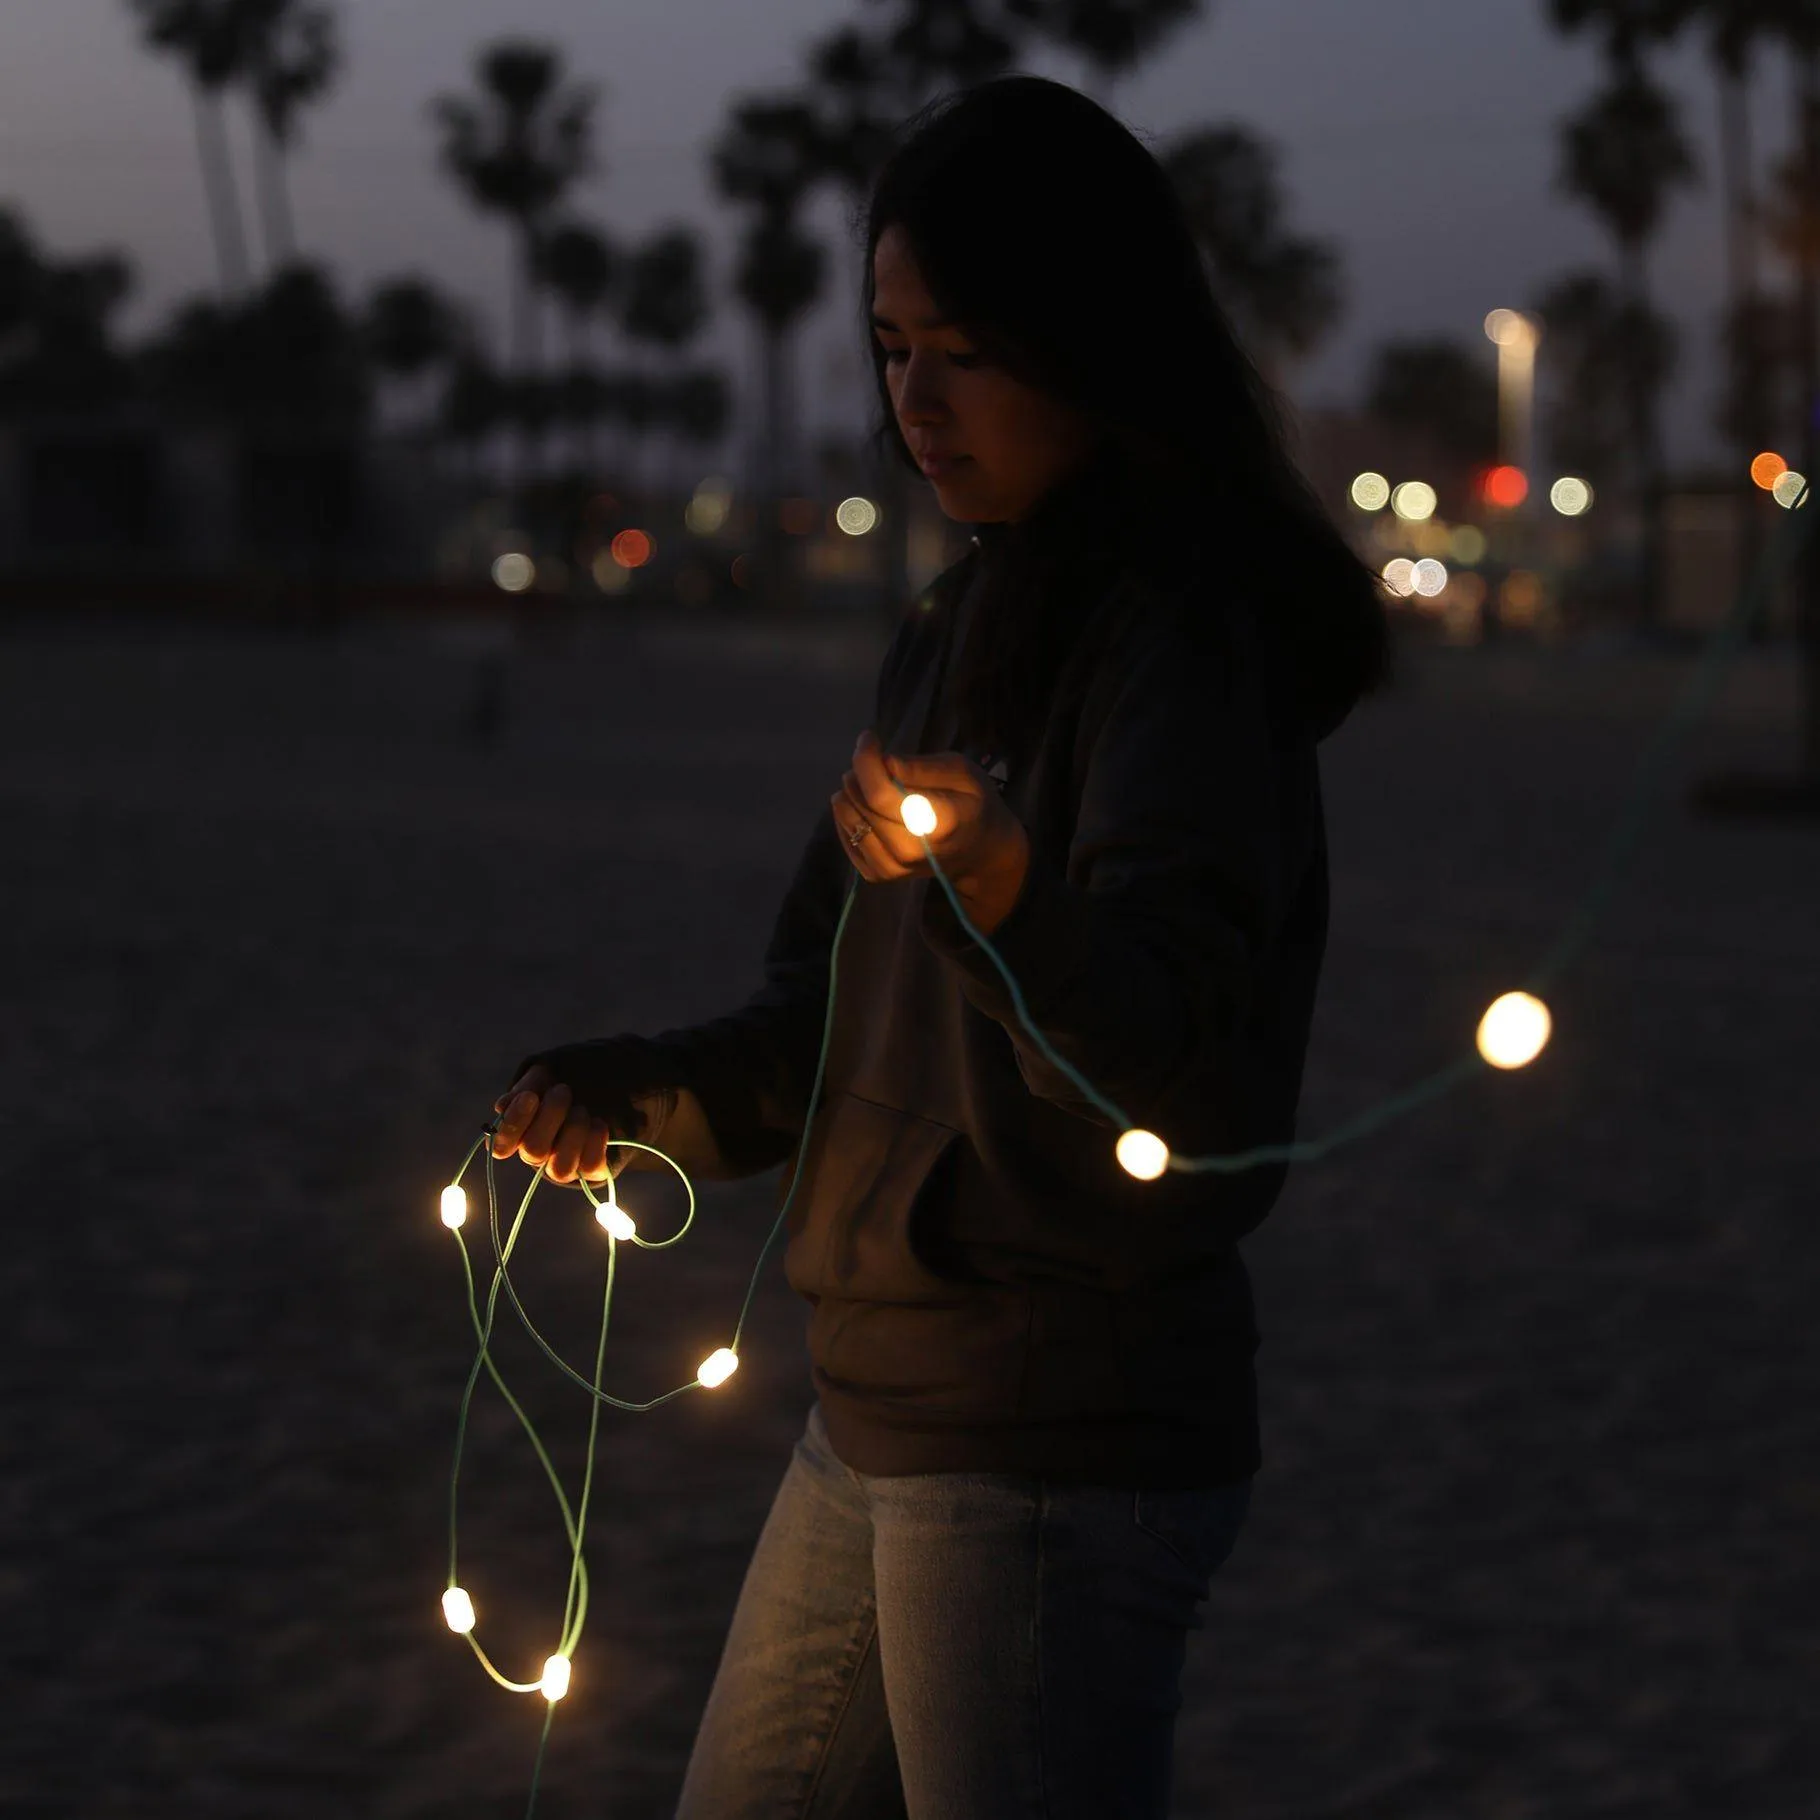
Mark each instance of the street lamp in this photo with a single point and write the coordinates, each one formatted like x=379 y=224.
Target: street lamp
x=1516 y=336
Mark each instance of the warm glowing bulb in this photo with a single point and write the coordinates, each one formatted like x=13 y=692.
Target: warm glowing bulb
x=718 y=1367
x=616 y=1220
x=918 y=814
x=555 y=1682
x=1142 y=1154
x=454 y=1206
x=458 y=1609
x=1512 y=1033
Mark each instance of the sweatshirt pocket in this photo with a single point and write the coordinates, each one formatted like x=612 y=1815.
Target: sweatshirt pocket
x=900 y=1322
x=875 y=1219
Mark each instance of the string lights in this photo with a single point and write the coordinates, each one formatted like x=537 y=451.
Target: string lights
x=1513 y=1031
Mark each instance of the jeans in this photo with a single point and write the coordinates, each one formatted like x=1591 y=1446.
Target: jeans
x=957 y=1646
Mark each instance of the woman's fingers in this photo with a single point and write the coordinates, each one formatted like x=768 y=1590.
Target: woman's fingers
x=871 y=852
x=565 y=1156
x=540 y=1135
x=890 y=839
x=592 y=1164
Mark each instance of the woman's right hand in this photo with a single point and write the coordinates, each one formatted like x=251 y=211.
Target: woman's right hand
x=540 y=1122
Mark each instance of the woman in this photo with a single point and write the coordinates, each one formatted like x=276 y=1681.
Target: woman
x=1035 y=1425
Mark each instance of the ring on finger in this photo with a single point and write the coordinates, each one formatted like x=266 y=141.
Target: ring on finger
x=856 y=835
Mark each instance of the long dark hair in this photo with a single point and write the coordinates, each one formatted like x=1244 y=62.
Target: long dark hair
x=1052 y=235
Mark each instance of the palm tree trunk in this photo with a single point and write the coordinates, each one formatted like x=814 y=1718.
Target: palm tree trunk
x=276 y=218
x=1742 y=289
x=218 y=187
x=1808 y=615
x=1646 y=431
x=770 y=495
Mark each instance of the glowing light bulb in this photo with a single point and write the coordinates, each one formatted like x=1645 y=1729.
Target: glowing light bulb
x=1513 y=1032
x=458 y=1609
x=1142 y=1154
x=718 y=1367
x=454 y=1206
x=555 y=1682
x=918 y=814
x=616 y=1220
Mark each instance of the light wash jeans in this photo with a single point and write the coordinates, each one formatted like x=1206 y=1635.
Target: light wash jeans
x=957 y=1646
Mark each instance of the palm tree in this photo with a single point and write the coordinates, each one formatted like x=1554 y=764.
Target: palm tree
x=1621 y=155
x=516 y=150
x=1283 y=290
x=1442 y=390
x=292 y=57
x=666 y=301
x=582 y=269
x=769 y=158
x=411 y=330
x=208 y=38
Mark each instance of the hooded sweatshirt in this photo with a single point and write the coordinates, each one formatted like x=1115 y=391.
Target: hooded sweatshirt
x=988 y=1290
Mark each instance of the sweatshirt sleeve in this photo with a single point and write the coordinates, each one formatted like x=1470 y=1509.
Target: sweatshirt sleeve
x=752 y=1068
x=1138 y=950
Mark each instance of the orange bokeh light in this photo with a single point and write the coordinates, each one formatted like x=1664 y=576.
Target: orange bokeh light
x=1767 y=469
x=632 y=549
x=1507 y=487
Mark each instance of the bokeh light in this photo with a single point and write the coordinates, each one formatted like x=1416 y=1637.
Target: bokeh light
x=1570 y=497
x=514 y=571
x=1788 y=488
x=1767 y=469
x=1512 y=329
x=1371 y=492
x=1505 y=487
x=610 y=575
x=1414 y=500
x=707 y=510
x=856 y=516
x=1430 y=577
x=633 y=549
x=1520 y=598
x=1466 y=545
x=1400 y=576
x=1514 y=1031
x=1430 y=538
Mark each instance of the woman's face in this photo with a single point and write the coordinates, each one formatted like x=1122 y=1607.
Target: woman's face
x=1012 y=442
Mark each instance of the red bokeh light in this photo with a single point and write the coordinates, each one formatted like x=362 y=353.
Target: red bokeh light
x=632 y=549
x=1506 y=487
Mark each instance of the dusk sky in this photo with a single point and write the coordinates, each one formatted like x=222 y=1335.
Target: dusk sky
x=1418 y=134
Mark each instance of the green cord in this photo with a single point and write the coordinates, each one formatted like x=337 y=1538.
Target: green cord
x=1620 y=847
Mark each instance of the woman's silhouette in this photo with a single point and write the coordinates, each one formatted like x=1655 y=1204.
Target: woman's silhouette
x=1035 y=1426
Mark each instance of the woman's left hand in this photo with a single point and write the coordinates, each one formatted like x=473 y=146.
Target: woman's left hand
x=979 y=843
